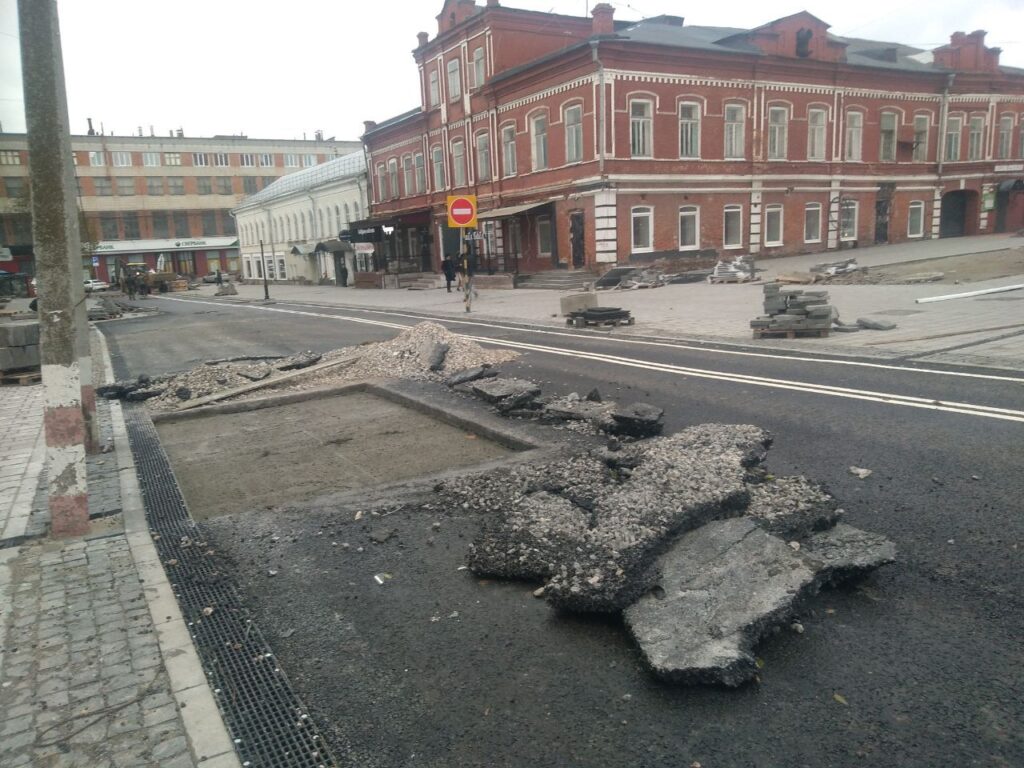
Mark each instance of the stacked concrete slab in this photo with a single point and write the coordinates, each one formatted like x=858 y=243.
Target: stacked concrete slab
x=793 y=309
x=19 y=345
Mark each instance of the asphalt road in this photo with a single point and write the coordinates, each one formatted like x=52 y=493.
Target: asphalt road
x=925 y=656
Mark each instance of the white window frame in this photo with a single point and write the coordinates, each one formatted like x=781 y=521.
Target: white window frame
x=732 y=208
x=1004 y=141
x=778 y=133
x=692 y=213
x=97 y=159
x=407 y=174
x=247 y=160
x=774 y=211
x=420 y=171
x=976 y=138
x=382 y=182
x=438 y=175
x=266 y=160
x=459 y=177
x=814 y=208
x=920 y=153
x=734 y=144
x=689 y=130
x=434 y=87
x=393 y=178
x=572 y=119
x=854 y=144
x=848 y=233
x=121 y=159
x=817 y=132
x=509 y=164
x=544 y=223
x=151 y=159
x=641 y=127
x=13 y=157
x=200 y=159
x=221 y=159
x=479 y=67
x=639 y=213
x=309 y=160
x=454 y=69
x=915 y=205
x=953 y=138
x=887 y=137
x=539 y=156
x=482 y=147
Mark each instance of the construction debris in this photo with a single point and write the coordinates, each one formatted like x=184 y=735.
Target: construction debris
x=601 y=316
x=789 y=312
x=832 y=268
x=740 y=270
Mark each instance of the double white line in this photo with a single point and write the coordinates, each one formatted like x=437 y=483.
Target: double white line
x=969 y=409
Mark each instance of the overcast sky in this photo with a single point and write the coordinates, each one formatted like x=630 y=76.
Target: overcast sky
x=282 y=70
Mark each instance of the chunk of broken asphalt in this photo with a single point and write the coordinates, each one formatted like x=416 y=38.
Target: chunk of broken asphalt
x=845 y=552
x=471 y=374
x=432 y=355
x=792 y=507
x=875 y=325
x=493 y=390
x=637 y=420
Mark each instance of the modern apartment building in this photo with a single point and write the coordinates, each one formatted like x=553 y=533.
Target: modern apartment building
x=156 y=200
x=590 y=141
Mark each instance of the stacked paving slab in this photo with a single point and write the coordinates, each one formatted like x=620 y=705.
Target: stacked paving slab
x=793 y=309
x=19 y=345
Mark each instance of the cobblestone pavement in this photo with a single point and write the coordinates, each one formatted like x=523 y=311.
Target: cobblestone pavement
x=82 y=681
x=22 y=454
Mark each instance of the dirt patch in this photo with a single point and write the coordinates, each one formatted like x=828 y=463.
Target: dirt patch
x=955 y=270
x=290 y=453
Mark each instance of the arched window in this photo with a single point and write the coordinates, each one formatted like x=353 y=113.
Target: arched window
x=347 y=217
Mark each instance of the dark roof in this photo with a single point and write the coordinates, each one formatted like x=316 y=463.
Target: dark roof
x=394 y=120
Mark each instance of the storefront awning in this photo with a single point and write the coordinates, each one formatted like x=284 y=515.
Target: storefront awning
x=511 y=210
x=1011 y=185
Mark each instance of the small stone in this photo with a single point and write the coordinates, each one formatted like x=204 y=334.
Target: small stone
x=797 y=627
x=271 y=573
x=860 y=472
x=795 y=546
x=539 y=592
x=183 y=393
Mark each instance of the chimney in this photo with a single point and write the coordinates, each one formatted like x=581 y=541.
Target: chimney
x=369 y=125
x=604 y=23
x=91 y=131
x=151 y=131
x=492 y=3
x=422 y=37
x=181 y=133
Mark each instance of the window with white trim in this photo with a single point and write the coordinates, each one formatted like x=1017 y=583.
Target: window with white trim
x=458 y=163
x=773 y=224
x=154 y=185
x=735 y=140
x=545 y=242
x=13 y=157
x=732 y=226
x=915 y=219
x=221 y=160
x=976 y=138
x=689 y=130
x=151 y=159
x=816 y=126
x=1004 y=140
x=920 y=154
x=121 y=159
x=454 y=80
x=887 y=137
x=854 y=136
x=848 y=220
x=483 y=156
x=539 y=141
x=97 y=159
x=246 y=160
x=266 y=160
x=778 y=125
x=126 y=185
x=434 y=88
x=689 y=228
x=508 y=150
x=200 y=159
x=421 y=173
x=308 y=161
x=407 y=179
x=204 y=185
x=437 y=161
x=641 y=128
x=812 y=223
x=382 y=182
x=393 y=177
x=954 y=127
x=573 y=119
x=642 y=225
x=479 y=67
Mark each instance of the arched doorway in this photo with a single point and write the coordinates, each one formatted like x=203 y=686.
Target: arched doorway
x=959 y=214
x=1010 y=206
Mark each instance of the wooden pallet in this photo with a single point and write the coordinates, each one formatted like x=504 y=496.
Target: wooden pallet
x=22 y=378
x=790 y=333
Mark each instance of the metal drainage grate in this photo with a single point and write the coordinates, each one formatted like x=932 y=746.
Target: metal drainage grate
x=269 y=724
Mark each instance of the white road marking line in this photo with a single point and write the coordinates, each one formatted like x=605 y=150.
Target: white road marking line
x=909 y=401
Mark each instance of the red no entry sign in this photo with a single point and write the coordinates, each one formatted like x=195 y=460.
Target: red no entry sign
x=461 y=211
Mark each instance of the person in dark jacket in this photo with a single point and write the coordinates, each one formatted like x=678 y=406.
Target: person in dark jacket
x=448 y=268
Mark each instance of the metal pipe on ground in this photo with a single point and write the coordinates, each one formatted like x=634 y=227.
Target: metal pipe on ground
x=969 y=294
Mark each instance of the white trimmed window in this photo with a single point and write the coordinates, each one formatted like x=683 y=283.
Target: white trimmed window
x=641 y=128
x=812 y=223
x=458 y=163
x=434 y=88
x=915 y=219
x=642 y=219
x=732 y=226
x=921 y=138
x=483 y=156
x=291 y=160
x=854 y=136
x=13 y=157
x=200 y=159
x=382 y=182
x=773 y=224
x=246 y=160
x=689 y=228
x=393 y=177
x=887 y=137
x=848 y=220
x=508 y=150
x=976 y=138
x=545 y=242
x=573 y=118
x=437 y=161
x=151 y=159
x=735 y=117
x=1005 y=137
x=97 y=159
x=539 y=141
x=121 y=159
x=407 y=179
x=421 y=173
x=954 y=126
x=689 y=130
x=266 y=160
x=778 y=129
x=309 y=160
x=220 y=159
x=479 y=67
x=454 y=80
x=816 y=126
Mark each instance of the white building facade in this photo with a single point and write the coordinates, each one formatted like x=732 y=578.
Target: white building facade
x=291 y=230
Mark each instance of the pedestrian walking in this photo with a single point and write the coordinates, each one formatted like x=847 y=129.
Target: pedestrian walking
x=219 y=280
x=129 y=284
x=448 y=268
x=468 y=268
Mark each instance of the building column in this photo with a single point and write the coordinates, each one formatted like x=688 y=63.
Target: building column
x=755 y=217
x=606 y=230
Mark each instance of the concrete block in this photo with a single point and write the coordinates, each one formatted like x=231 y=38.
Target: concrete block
x=19 y=333
x=576 y=302
x=13 y=358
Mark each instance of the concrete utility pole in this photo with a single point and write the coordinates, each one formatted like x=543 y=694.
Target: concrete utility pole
x=56 y=245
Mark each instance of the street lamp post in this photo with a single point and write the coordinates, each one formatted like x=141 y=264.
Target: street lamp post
x=263 y=266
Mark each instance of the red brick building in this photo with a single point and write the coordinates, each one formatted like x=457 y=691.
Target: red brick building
x=591 y=141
